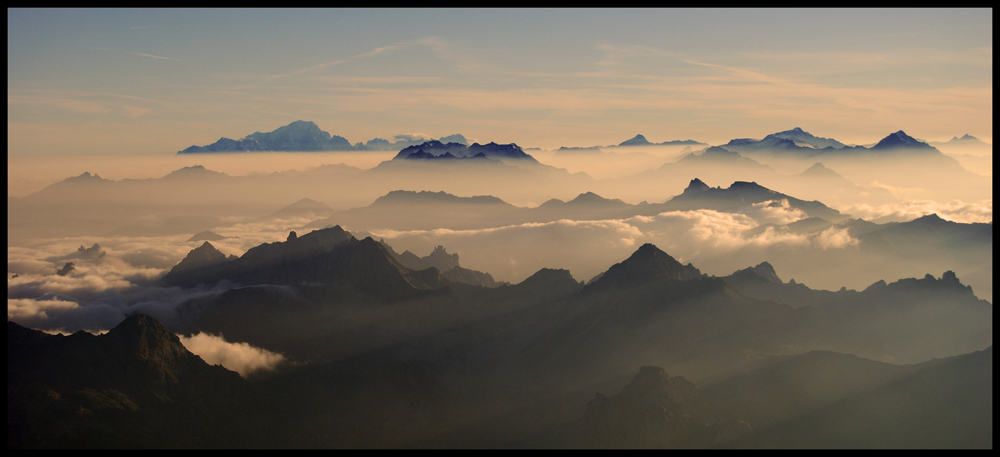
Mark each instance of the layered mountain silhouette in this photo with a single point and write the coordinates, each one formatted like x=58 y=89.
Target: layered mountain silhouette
x=135 y=386
x=429 y=210
x=446 y=263
x=830 y=400
x=389 y=361
x=655 y=411
x=328 y=256
x=716 y=155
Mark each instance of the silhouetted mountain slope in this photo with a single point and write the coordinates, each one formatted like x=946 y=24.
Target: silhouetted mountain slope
x=430 y=210
x=135 y=386
x=741 y=194
x=302 y=208
x=203 y=256
x=965 y=139
x=829 y=400
x=900 y=140
x=640 y=140
x=801 y=144
x=654 y=411
x=408 y=210
x=941 y=308
x=647 y=264
x=330 y=256
x=523 y=354
x=379 y=400
x=404 y=197
x=928 y=232
x=446 y=263
x=637 y=140
x=716 y=156
x=802 y=137
x=207 y=235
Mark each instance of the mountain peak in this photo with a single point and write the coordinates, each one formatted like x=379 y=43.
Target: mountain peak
x=297 y=136
x=766 y=271
x=800 y=138
x=195 y=171
x=931 y=218
x=435 y=149
x=637 y=140
x=696 y=185
x=149 y=339
x=590 y=198
x=900 y=140
x=201 y=256
x=648 y=263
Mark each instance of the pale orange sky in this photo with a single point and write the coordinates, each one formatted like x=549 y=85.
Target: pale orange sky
x=154 y=82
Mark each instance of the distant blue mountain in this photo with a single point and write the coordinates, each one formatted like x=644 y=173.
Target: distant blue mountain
x=437 y=150
x=900 y=140
x=306 y=136
x=797 y=142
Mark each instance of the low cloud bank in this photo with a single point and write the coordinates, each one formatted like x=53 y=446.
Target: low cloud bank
x=239 y=357
x=955 y=210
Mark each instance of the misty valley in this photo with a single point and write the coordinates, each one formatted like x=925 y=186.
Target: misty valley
x=785 y=292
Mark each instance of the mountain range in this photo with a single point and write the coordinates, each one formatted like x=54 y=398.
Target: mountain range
x=390 y=356
x=307 y=136
x=437 y=150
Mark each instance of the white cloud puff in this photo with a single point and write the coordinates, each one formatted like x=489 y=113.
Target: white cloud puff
x=835 y=238
x=27 y=311
x=239 y=357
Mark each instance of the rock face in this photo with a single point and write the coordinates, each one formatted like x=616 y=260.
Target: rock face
x=653 y=411
x=135 y=386
x=66 y=269
x=94 y=252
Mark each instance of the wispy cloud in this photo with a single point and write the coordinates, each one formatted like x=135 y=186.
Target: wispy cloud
x=155 y=57
x=371 y=53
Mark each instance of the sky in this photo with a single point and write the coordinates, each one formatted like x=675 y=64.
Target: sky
x=146 y=81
